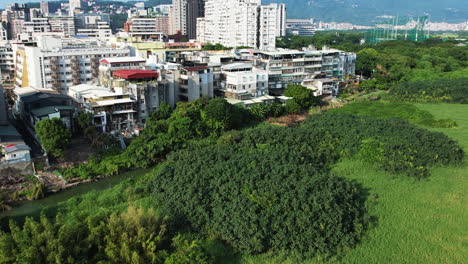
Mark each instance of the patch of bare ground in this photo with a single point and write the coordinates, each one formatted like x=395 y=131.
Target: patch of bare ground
x=78 y=152
x=288 y=120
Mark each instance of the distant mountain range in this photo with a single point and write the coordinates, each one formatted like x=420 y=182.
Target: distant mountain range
x=366 y=12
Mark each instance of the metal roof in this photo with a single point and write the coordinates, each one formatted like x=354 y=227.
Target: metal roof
x=135 y=74
x=17 y=147
x=40 y=95
x=198 y=68
x=43 y=111
x=122 y=60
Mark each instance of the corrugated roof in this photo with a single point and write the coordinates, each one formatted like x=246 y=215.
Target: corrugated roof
x=122 y=60
x=135 y=74
x=50 y=110
x=198 y=68
x=116 y=101
x=18 y=147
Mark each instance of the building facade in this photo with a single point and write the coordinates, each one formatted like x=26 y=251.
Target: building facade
x=7 y=65
x=51 y=65
x=114 y=111
x=235 y=23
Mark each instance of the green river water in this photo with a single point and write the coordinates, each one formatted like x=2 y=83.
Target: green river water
x=26 y=208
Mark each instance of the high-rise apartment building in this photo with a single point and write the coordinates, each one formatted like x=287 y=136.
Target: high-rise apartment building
x=44 y=5
x=74 y=4
x=65 y=24
x=147 y=27
x=184 y=16
x=52 y=64
x=179 y=17
x=236 y=23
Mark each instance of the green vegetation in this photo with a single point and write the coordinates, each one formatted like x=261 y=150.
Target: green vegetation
x=118 y=21
x=445 y=90
x=189 y=121
x=217 y=46
x=240 y=191
x=366 y=12
x=264 y=111
x=303 y=98
x=134 y=236
x=418 y=222
x=397 y=62
x=391 y=110
x=54 y=135
x=169 y=130
x=321 y=39
x=219 y=198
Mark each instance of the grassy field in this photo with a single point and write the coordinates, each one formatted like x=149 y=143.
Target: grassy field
x=416 y=222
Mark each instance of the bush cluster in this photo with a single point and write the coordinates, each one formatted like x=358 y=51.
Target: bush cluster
x=391 y=144
x=391 y=110
x=262 y=197
x=432 y=91
x=134 y=236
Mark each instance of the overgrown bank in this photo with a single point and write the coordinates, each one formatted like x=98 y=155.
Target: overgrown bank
x=228 y=194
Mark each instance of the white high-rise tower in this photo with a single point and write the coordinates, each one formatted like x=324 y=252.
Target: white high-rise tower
x=74 y=4
x=235 y=23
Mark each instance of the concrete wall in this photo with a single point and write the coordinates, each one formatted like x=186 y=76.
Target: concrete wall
x=16 y=169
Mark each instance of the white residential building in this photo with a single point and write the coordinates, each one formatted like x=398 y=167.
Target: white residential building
x=44 y=5
x=201 y=29
x=300 y=27
x=293 y=66
x=65 y=24
x=114 y=111
x=240 y=82
x=322 y=86
x=74 y=4
x=187 y=84
x=179 y=16
x=54 y=65
x=3 y=32
x=101 y=31
x=38 y=24
x=7 y=64
x=236 y=23
x=148 y=27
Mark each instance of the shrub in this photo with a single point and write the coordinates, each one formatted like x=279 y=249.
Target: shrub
x=392 y=110
x=444 y=90
x=54 y=135
x=405 y=148
x=260 y=197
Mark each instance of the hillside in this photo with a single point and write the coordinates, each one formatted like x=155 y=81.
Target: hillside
x=366 y=11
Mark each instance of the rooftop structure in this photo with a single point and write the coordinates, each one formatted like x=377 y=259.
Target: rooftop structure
x=135 y=74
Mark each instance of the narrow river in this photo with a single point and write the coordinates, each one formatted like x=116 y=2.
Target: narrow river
x=25 y=208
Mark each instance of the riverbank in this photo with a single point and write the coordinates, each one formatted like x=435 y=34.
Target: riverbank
x=34 y=207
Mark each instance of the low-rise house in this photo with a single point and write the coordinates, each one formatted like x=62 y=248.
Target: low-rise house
x=322 y=87
x=114 y=110
x=238 y=81
x=109 y=65
x=143 y=85
x=32 y=105
x=15 y=153
x=187 y=84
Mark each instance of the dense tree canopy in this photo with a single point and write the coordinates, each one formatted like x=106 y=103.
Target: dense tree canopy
x=241 y=194
x=54 y=135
